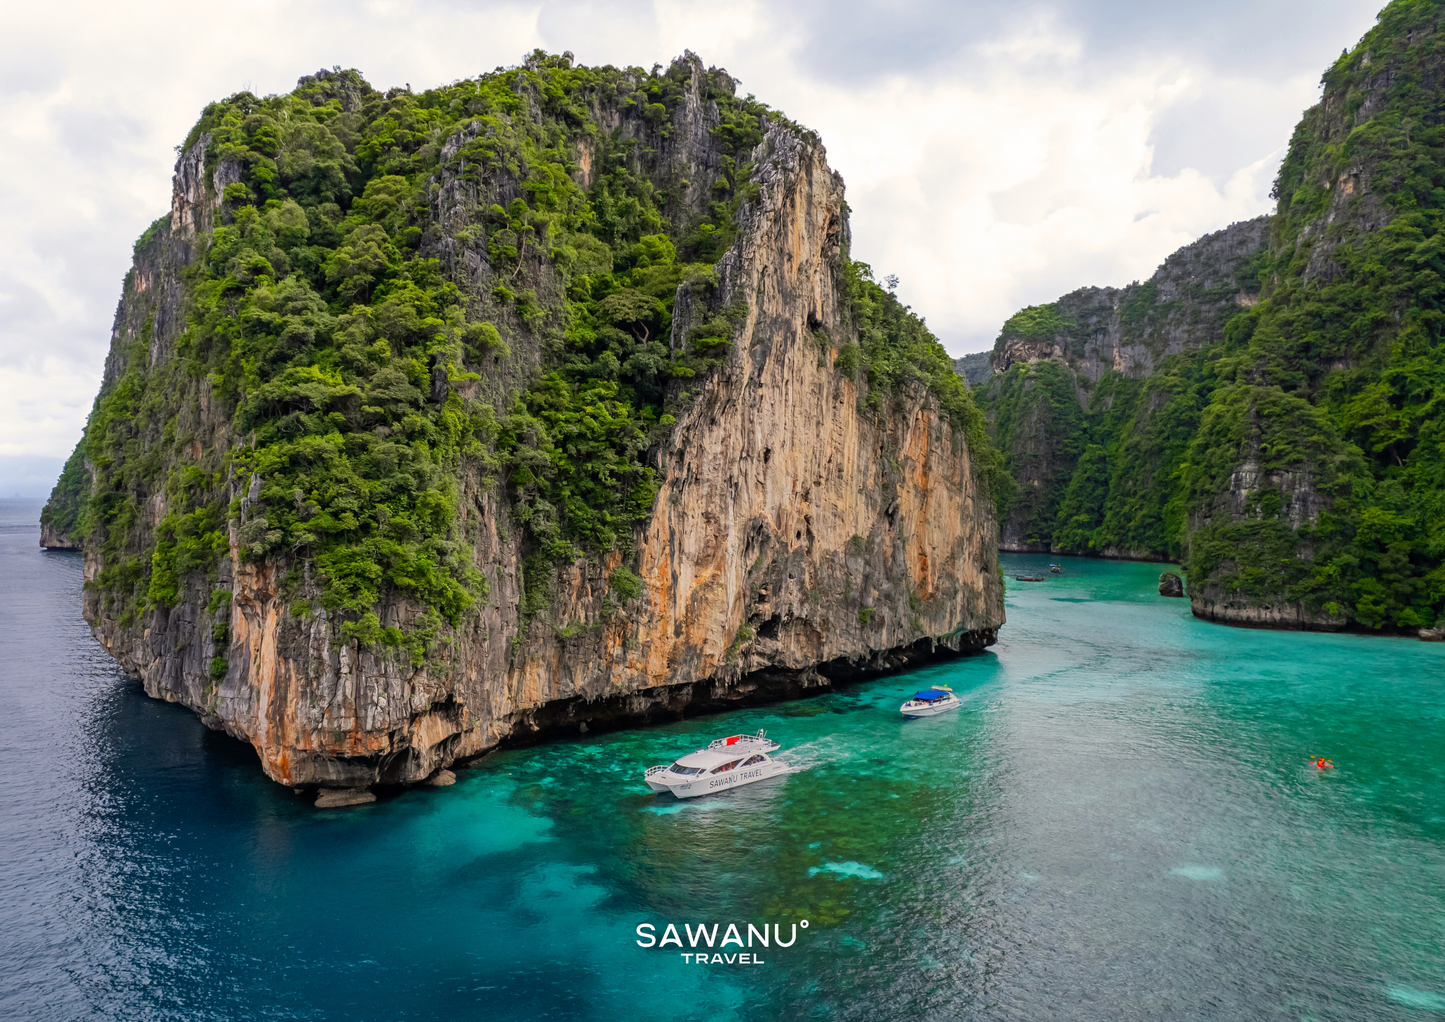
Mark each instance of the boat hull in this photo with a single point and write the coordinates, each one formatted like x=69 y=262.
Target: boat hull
x=709 y=784
x=929 y=711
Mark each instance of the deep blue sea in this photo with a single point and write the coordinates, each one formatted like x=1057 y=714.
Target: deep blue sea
x=1119 y=823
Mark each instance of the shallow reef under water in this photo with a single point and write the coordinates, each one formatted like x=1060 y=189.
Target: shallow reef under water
x=1119 y=822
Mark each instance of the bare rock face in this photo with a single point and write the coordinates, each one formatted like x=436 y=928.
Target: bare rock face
x=1213 y=605
x=1133 y=329
x=1170 y=584
x=800 y=537
x=1432 y=635
x=1056 y=377
x=336 y=798
x=52 y=539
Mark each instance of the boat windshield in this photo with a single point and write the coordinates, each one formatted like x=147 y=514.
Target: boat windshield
x=678 y=768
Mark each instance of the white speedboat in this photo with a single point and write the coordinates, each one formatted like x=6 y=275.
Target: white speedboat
x=930 y=703
x=725 y=763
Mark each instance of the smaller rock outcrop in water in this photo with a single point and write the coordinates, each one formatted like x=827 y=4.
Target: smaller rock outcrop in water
x=1170 y=584
x=334 y=798
x=52 y=538
x=442 y=779
x=1432 y=634
x=1211 y=604
x=60 y=519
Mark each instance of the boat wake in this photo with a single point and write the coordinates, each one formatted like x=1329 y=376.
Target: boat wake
x=677 y=807
x=810 y=754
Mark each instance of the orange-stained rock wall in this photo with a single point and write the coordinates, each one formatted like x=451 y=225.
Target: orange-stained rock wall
x=801 y=536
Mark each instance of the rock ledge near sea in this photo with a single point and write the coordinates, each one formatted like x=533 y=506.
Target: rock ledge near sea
x=335 y=798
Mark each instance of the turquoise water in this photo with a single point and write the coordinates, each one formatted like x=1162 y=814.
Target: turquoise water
x=1118 y=824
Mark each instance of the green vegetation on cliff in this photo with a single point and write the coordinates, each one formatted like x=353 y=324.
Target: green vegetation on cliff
x=1340 y=370
x=405 y=291
x=894 y=348
x=62 y=512
x=1036 y=323
x=1109 y=477
x=322 y=318
x=1037 y=401
x=1299 y=456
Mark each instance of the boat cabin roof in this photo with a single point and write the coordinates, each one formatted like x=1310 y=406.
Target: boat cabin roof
x=741 y=740
x=932 y=695
x=725 y=750
x=708 y=758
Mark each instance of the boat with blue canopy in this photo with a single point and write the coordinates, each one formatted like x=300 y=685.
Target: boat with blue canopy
x=930 y=702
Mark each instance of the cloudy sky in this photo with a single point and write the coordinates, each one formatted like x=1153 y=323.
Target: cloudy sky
x=998 y=153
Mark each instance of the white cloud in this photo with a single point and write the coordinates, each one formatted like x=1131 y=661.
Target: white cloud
x=986 y=197
x=995 y=156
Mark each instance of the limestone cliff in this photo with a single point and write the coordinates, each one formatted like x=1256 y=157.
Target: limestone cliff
x=803 y=525
x=1132 y=330
x=1266 y=408
x=52 y=538
x=1096 y=363
x=976 y=368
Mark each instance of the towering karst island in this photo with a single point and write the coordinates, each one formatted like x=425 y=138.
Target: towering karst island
x=548 y=396
x=1269 y=407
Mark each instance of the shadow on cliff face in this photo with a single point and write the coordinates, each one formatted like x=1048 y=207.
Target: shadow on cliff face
x=670 y=703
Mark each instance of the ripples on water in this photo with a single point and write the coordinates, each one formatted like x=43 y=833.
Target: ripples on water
x=1119 y=823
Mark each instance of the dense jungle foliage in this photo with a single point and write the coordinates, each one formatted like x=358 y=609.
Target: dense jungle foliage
x=323 y=318
x=62 y=511
x=1341 y=371
x=331 y=317
x=1332 y=387
x=1108 y=478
